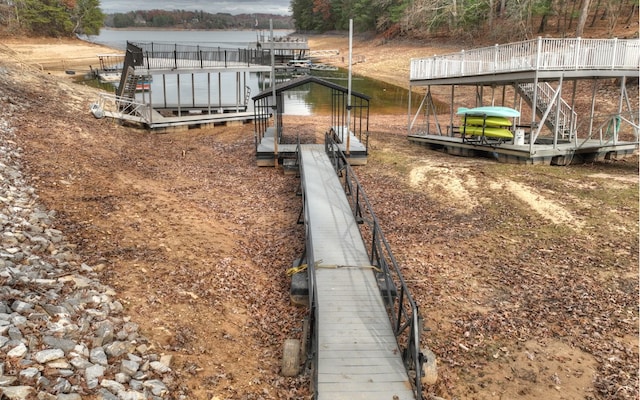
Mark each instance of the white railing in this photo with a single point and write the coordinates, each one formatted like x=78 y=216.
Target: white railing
x=123 y=108
x=567 y=117
x=532 y=55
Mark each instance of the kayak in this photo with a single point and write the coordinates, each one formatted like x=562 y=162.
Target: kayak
x=488 y=121
x=490 y=111
x=487 y=131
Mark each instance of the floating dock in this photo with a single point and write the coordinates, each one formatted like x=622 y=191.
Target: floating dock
x=203 y=67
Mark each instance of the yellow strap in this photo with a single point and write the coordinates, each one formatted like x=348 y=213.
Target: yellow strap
x=295 y=270
x=300 y=268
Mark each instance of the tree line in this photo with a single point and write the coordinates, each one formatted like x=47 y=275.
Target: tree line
x=465 y=19
x=196 y=20
x=60 y=18
x=54 y=18
x=497 y=20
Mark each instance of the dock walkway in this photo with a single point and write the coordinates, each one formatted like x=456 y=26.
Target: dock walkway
x=357 y=353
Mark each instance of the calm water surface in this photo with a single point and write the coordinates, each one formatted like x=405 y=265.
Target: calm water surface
x=304 y=100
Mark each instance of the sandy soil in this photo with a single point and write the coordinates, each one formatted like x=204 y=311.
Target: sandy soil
x=527 y=276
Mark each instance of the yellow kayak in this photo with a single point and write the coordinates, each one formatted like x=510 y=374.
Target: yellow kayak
x=487 y=131
x=489 y=121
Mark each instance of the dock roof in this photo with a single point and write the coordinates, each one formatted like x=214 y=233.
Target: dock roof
x=293 y=83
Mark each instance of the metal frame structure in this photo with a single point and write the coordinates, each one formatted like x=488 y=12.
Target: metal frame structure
x=531 y=76
x=143 y=60
x=269 y=115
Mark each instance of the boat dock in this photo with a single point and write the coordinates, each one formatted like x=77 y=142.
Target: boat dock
x=349 y=129
x=168 y=64
x=539 y=78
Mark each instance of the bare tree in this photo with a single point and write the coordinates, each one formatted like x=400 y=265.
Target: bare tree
x=584 y=13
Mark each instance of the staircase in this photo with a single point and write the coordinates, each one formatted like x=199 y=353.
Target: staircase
x=547 y=108
x=130 y=79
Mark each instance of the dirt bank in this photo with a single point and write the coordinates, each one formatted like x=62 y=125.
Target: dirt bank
x=527 y=276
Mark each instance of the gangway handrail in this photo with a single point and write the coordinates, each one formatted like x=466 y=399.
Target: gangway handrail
x=311 y=274
x=120 y=106
x=401 y=307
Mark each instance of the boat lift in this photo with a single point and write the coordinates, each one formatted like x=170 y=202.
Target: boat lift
x=362 y=337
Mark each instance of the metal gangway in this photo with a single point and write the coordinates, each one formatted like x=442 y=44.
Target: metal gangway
x=364 y=324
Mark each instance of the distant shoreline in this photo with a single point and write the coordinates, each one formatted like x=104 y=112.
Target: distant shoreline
x=149 y=28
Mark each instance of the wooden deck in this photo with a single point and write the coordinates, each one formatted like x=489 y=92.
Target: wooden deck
x=357 y=353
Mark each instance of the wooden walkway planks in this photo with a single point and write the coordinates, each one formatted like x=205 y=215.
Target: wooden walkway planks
x=358 y=356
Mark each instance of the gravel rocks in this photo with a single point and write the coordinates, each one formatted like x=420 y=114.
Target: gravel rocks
x=63 y=334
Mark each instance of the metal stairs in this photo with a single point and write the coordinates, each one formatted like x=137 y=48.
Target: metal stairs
x=555 y=113
x=130 y=80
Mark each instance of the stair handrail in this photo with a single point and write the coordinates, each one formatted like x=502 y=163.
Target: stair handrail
x=122 y=105
x=546 y=93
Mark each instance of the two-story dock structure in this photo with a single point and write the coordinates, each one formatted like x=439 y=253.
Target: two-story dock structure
x=193 y=86
x=535 y=77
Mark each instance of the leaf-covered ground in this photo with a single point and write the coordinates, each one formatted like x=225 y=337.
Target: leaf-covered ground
x=527 y=276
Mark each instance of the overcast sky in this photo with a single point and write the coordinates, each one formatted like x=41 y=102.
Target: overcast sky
x=280 y=7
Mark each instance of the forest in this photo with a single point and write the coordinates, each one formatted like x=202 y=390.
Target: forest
x=465 y=19
x=491 y=20
x=54 y=18
x=66 y=18
x=196 y=20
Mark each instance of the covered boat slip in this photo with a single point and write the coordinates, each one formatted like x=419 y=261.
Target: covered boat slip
x=540 y=78
x=348 y=124
x=356 y=351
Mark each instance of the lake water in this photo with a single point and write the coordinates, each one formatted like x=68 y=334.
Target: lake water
x=304 y=100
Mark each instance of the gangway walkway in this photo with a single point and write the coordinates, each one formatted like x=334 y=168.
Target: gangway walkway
x=357 y=354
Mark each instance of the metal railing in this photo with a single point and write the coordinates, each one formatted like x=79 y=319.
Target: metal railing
x=311 y=274
x=123 y=108
x=532 y=55
x=607 y=129
x=175 y=56
x=401 y=308
x=567 y=117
